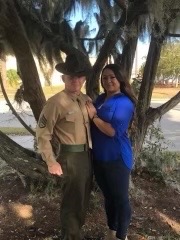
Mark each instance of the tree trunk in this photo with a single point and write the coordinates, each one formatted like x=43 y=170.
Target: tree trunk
x=127 y=18
x=128 y=55
x=143 y=120
x=3 y=66
x=23 y=160
x=176 y=82
x=145 y=115
x=16 y=36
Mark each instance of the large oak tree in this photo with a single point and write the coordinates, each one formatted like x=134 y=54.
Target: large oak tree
x=47 y=33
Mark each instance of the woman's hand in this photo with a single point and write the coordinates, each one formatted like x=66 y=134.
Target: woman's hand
x=104 y=127
x=91 y=109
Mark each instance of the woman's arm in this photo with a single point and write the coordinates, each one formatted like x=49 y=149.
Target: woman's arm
x=103 y=126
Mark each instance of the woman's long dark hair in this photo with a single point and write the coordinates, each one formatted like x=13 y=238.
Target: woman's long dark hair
x=121 y=76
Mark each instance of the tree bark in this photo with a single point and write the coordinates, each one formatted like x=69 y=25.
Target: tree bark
x=3 y=65
x=128 y=55
x=142 y=120
x=155 y=113
x=23 y=160
x=145 y=115
x=126 y=19
x=16 y=36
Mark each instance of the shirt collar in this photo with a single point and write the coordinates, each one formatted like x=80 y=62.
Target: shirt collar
x=74 y=97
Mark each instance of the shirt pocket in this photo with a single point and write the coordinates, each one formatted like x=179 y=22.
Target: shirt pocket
x=68 y=124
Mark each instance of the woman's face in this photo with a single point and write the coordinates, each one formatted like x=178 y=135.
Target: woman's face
x=109 y=81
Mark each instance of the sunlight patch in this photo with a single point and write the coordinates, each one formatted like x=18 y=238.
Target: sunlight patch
x=23 y=211
x=2 y=210
x=173 y=224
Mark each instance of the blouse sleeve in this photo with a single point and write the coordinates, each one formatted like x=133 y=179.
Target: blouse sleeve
x=122 y=116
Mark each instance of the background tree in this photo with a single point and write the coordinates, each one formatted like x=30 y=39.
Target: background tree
x=46 y=31
x=169 y=67
x=13 y=78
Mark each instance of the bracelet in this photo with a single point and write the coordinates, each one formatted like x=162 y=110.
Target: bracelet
x=95 y=116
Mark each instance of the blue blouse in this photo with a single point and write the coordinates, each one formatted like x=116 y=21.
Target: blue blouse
x=118 y=111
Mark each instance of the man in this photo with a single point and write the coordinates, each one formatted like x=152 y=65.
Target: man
x=65 y=117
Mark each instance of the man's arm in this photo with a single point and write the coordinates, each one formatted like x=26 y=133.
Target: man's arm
x=44 y=133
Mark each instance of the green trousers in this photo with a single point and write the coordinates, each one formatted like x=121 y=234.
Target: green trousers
x=76 y=187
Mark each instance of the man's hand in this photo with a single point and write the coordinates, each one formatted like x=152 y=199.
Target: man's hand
x=55 y=168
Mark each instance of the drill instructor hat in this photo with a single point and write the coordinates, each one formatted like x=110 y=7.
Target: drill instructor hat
x=74 y=66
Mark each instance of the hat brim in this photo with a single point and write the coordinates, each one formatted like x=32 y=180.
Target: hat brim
x=62 y=68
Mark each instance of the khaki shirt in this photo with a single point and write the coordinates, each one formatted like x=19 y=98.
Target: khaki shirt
x=65 y=117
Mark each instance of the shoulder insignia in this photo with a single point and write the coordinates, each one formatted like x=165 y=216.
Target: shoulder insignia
x=42 y=122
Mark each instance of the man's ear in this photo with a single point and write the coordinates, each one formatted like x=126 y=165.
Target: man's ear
x=63 y=78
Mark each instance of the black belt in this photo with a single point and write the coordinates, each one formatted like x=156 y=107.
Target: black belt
x=74 y=147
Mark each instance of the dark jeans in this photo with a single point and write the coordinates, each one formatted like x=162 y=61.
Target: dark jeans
x=113 y=180
x=76 y=187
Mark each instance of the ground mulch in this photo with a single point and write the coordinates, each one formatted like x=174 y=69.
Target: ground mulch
x=27 y=214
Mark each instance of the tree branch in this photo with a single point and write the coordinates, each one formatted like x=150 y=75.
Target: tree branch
x=18 y=158
x=173 y=35
x=121 y=3
x=92 y=39
x=155 y=113
x=13 y=110
x=60 y=43
x=148 y=79
x=126 y=19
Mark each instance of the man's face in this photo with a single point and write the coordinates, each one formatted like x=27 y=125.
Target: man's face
x=73 y=84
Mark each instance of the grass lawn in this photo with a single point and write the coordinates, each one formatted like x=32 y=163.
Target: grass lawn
x=14 y=131
x=51 y=90
x=157 y=92
x=165 y=92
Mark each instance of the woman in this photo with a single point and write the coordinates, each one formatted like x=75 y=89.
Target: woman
x=112 y=151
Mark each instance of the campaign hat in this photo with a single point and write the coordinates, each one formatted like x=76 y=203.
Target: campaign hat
x=74 y=65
